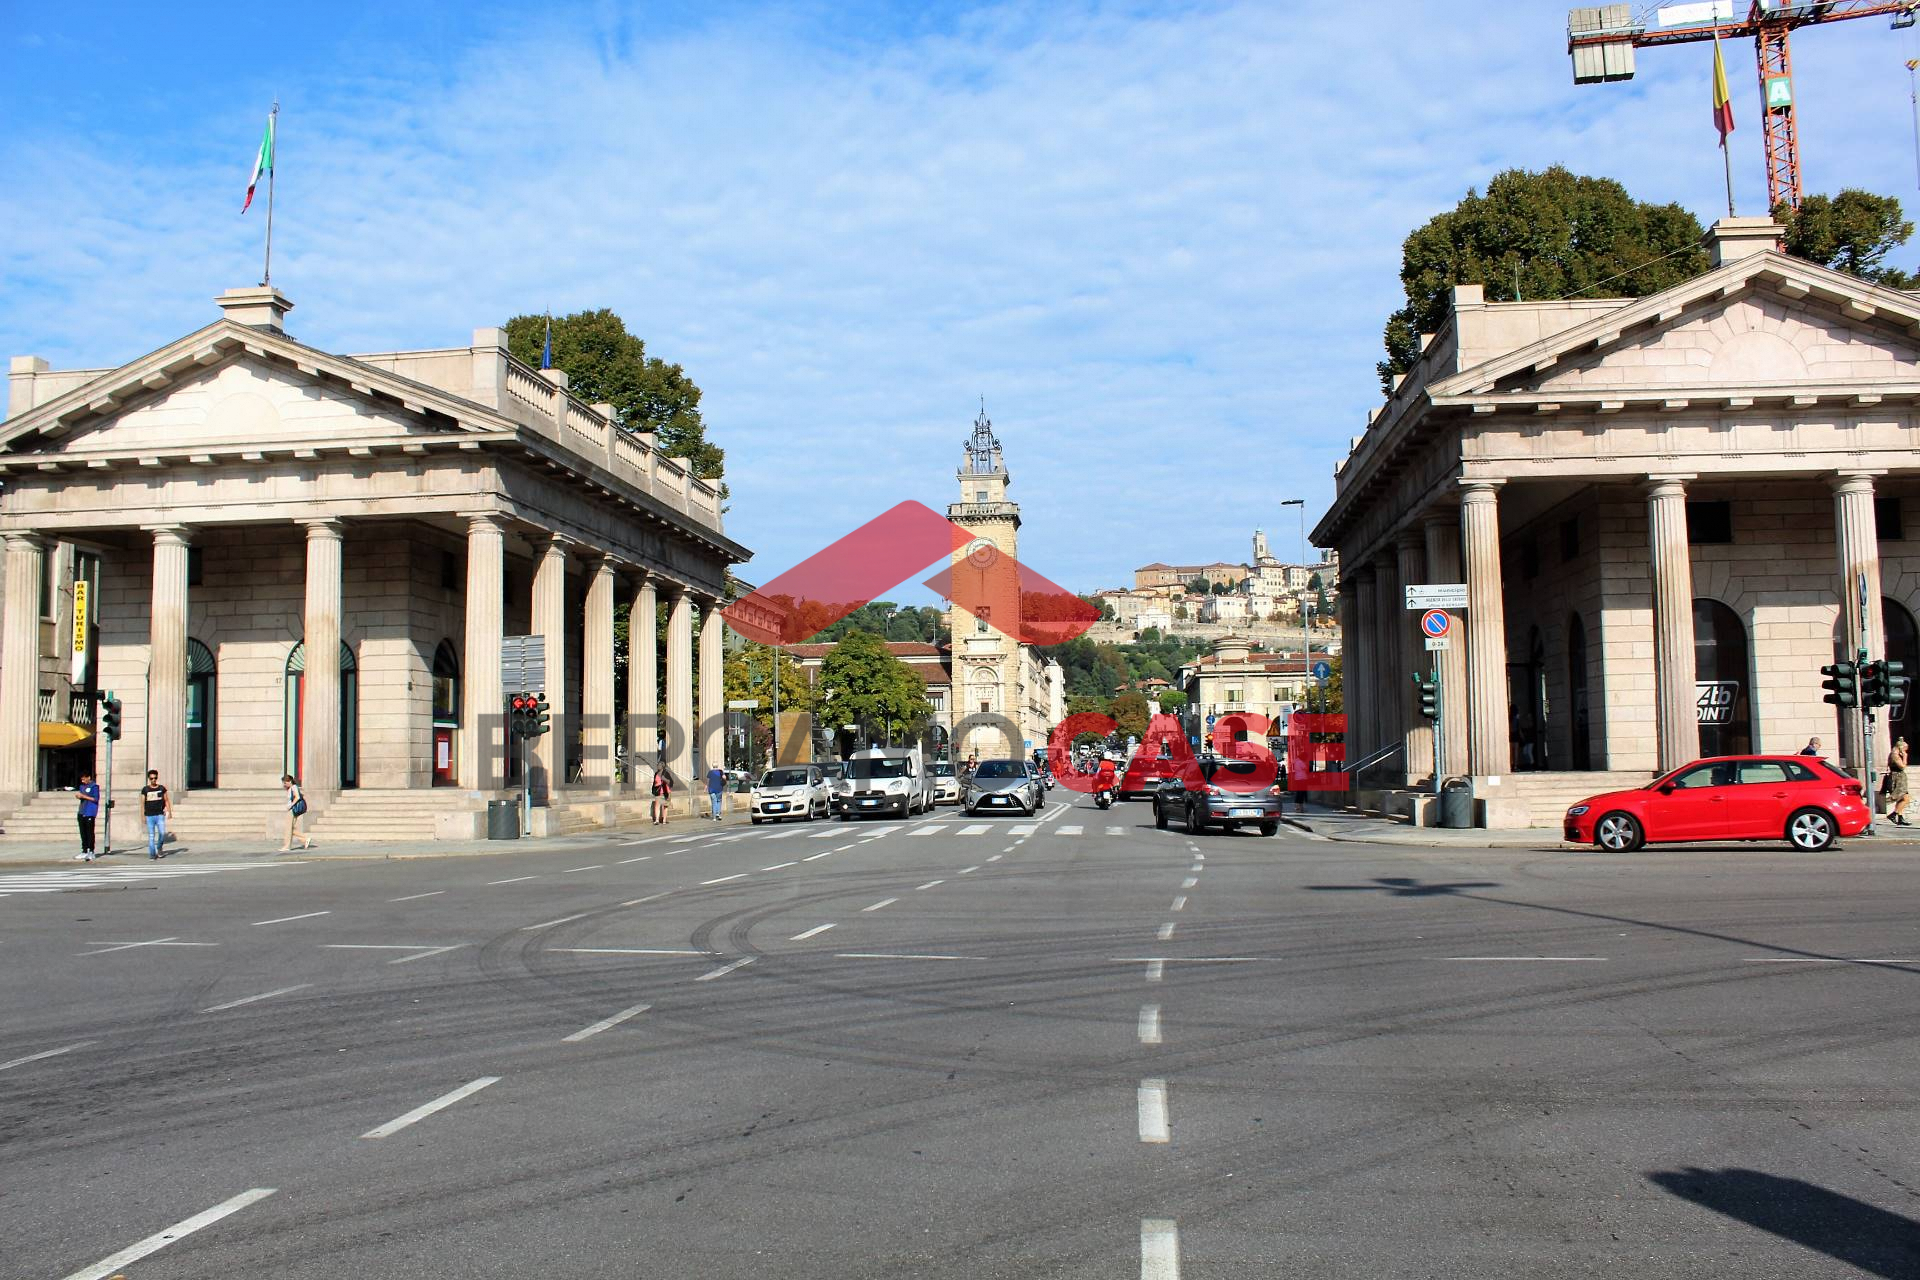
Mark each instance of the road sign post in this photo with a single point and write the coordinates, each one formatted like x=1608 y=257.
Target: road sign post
x=1440 y=595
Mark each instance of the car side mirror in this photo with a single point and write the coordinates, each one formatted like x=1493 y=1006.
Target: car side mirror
x=1666 y=789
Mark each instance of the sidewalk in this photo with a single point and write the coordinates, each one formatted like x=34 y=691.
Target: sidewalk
x=1349 y=827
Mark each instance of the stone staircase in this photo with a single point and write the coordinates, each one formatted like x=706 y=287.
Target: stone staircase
x=1548 y=795
x=368 y=813
x=237 y=814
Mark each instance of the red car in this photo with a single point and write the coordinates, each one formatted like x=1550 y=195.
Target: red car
x=1799 y=799
x=1142 y=775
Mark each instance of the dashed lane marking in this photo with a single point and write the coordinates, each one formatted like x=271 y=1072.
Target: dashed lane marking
x=1073 y=830
x=967 y=871
x=814 y=932
x=742 y=875
x=1180 y=903
x=928 y=885
x=1165 y=931
x=605 y=1024
x=1550 y=959
x=626 y=861
x=1116 y=831
x=595 y=867
x=412 y=897
x=631 y=951
x=977 y=829
x=1159 y=1249
x=1156 y=970
x=440 y=1103
x=551 y=923
x=1149 y=1024
x=1151 y=1099
x=816 y=857
x=161 y=1239
x=511 y=880
x=780 y=866
x=44 y=1053
x=884 y=902
x=311 y=915
x=106 y=947
x=1189 y=882
x=897 y=955
x=725 y=969
x=264 y=995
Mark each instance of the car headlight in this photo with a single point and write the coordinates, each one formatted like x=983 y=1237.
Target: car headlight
x=1577 y=810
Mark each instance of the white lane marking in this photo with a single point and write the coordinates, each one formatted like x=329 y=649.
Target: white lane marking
x=1159 y=1249
x=634 y=902
x=1817 y=960
x=928 y=885
x=817 y=856
x=1156 y=969
x=264 y=995
x=977 y=829
x=1186 y=959
x=780 y=835
x=780 y=866
x=630 y=951
x=1525 y=958
x=725 y=969
x=884 y=902
x=598 y=866
x=1189 y=882
x=431 y=893
x=896 y=955
x=996 y=857
x=419 y=952
x=730 y=839
x=1180 y=903
x=927 y=829
x=290 y=919
x=1198 y=856
x=511 y=880
x=1196 y=867
x=161 y=1239
x=967 y=871
x=1023 y=829
x=106 y=947
x=605 y=1024
x=689 y=839
x=1075 y=830
x=645 y=857
x=628 y=844
x=430 y=951
x=724 y=879
x=1149 y=1024
x=549 y=924
x=823 y=835
x=440 y=1103
x=44 y=1053
x=1152 y=1104
x=814 y=932
x=1116 y=831
x=1165 y=931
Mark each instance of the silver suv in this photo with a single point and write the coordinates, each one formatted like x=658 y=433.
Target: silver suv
x=1003 y=785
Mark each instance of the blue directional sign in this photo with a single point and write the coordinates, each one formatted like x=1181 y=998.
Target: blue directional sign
x=1322 y=671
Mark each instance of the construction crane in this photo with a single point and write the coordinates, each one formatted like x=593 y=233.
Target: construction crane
x=1601 y=42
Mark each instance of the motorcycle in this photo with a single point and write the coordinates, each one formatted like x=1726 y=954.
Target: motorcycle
x=1103 y=798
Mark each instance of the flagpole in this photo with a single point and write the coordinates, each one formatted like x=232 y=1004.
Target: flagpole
x=1719 y=76
x=1726 y=158
x=273 y=164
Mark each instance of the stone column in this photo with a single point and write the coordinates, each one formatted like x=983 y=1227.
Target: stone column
x=1443 y=566
x=1412 y=548
x=596 y=680
x=167 y=659
x=1858 y=540
x=713 y=695
x=643 y=686
x=1676 y=721
x=482 y=698
x=1389 y=724
x=1359 y=677
x=1488 y=752
x=679 y=726
x=320 y=685
x=549 y=756
x=20 y=670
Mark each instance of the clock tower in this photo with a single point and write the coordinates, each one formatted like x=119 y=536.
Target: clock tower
x=989 y=667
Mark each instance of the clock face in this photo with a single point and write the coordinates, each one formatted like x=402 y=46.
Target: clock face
x=981 y=553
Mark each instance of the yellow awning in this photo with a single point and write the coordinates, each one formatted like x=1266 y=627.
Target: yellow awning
x=54 y=733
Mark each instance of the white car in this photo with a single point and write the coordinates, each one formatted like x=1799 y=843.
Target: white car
x=790 y=791
x=946 y=786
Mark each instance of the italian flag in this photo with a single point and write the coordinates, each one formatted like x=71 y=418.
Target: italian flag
x=1722 y=100
x=262 y=164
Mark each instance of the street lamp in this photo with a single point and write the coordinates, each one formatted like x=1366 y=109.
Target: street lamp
x=1306 y=637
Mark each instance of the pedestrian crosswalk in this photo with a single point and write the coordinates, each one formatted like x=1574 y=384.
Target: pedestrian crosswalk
x=93 y=875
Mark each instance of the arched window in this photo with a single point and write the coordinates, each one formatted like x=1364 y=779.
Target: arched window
x=349 y=713
x=1722 y=680
x=1903 y=646
x=202 y=768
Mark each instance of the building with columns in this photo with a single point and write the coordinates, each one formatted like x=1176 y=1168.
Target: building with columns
x=239 y=505
x=1669 y=513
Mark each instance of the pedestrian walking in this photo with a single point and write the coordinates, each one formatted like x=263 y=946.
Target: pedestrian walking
x=89 y=795
x=296 y=810
x=1812 y=748
x=662 y=796
x=157 y=806
x=1897 y=795
x=716 y=785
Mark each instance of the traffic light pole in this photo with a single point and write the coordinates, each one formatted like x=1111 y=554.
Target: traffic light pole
x=1439 y=724
x=1866 y=741
x=106 y=773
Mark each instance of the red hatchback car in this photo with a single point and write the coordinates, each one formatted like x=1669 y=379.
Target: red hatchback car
x=1799 y=799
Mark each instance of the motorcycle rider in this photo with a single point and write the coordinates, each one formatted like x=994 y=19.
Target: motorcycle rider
x=1103 y=778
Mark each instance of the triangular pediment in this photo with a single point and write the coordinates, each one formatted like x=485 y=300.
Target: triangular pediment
x=1766 y=321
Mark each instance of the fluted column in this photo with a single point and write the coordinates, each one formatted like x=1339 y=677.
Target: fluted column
x=1360 y=678
x=596 y=680
x=679 y=726
x=1676 y=719
x=167 y=659
x=1412 y=549
x=1858 y=540
x=482 y=698
x=1488 y=752
x=713 y=696
x=20 y=669
x=643 y=686
x=1388 y=605
x=320 y=685
x=1443 y=566
x=550 y=622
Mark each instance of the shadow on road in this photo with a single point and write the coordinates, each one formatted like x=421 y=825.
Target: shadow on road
x=1877 y=1242
x=1405 y=887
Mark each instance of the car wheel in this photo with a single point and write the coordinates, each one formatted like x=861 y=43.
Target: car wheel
x=1269 y=828
x=1193 y=825
x=1810 y=830
x=1618 y=833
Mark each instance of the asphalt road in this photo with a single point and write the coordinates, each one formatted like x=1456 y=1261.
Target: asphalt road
x=1076 y=1048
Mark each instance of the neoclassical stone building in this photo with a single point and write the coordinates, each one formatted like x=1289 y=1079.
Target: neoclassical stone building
x=238 y=503
x=1669 y=512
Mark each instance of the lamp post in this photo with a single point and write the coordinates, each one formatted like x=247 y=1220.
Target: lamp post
x=1306 y=637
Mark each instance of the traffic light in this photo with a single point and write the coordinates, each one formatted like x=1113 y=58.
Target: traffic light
x=1883 y=683
x=1842 y=688
x=1897 y=681
x=1429 y=687
x=540 y=714
x=110 y=717
x=520 y=715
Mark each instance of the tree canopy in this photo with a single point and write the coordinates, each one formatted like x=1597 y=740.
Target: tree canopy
x=891 y=621
x=1129 y=712
x=1851 y=232
x=1552 y=234
x=862 y=683
x=606 y=364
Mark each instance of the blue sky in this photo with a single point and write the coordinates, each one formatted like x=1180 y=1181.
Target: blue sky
x=1159 y=239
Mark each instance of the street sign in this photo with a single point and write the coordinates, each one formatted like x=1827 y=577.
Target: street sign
x=523 y=663
x=1435 y=624
x=1437 y=644
x=1322 y=670
x=1779 y=92
x=742 y=704
x=1442 y=595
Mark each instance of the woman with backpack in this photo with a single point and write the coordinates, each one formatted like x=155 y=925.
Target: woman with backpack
x=296 y=810
x=662 y=795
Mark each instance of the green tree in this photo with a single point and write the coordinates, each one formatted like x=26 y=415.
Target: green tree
x=748 y=673
x=1553 y=234
x=1851 y=232
x=1173 y=702
x=1129 y=712
x=1198 y=586
x=862 y=683
x=606 y=364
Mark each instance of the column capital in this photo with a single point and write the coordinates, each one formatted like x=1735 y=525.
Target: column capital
x=605 y=562
x=1673 y=486
x=1480 y=488
x=1853 y=481
x=1411 y=538
x=1445 y=517
x=480 y=520
x=23 y=538
x=171 y=535
x=1361 y=573
x=546 y=543
x=324 y=529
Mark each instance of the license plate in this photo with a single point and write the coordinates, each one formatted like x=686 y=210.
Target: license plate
x=869 y=802
x=775 y=808
x=1245 y=813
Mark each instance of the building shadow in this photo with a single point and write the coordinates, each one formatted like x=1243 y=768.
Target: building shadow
x=1406 y=887
x=1874 y=1241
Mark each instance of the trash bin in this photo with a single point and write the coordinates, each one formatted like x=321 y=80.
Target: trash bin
x=1456 y=805
x=503 y=820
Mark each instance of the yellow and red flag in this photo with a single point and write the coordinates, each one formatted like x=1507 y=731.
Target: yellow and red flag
x=1722 y=100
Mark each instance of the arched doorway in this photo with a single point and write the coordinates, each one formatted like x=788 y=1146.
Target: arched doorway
x=349 y=713
x=1722 y=680
x=1580 y=747
x=1903 y=646
x=446 y=714
x=202 y=767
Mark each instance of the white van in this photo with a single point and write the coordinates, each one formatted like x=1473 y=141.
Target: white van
x=889 y=780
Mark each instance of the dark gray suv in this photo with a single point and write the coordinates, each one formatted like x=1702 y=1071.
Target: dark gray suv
x=1201 y=797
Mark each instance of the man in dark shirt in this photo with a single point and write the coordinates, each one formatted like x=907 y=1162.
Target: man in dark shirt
x=89 y=795
x=158 y=807
x=1812 y=748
